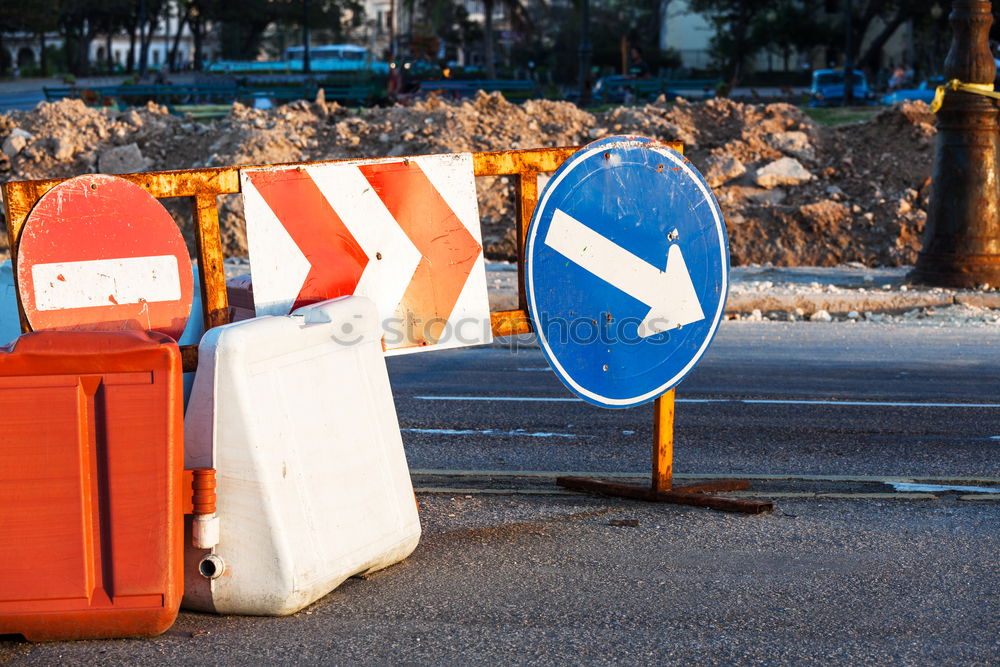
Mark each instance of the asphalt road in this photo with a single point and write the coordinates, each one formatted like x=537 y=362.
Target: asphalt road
x=506 y=576
x=832 y=399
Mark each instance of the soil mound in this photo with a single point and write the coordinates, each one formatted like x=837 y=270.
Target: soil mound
x=793 y=192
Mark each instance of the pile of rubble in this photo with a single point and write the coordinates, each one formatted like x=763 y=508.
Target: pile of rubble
x=794 y=193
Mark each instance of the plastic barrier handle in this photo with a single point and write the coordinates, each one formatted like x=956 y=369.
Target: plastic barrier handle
x=201 y=481
x=201 y=504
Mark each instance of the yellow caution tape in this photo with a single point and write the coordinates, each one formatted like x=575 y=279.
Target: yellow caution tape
x=975 y=88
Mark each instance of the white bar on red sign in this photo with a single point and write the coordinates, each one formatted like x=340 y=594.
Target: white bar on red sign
x=98 y=282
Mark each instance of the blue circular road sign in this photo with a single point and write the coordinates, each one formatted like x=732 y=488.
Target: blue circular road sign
x=626 y=270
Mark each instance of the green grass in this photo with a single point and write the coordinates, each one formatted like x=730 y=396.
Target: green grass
x=833 y=116
x=203 y=111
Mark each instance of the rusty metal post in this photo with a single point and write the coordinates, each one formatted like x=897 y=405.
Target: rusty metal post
x=961 y=244
x=663 y=443
x=661 y=488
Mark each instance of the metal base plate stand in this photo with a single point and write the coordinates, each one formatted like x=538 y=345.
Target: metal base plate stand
x=661 y=488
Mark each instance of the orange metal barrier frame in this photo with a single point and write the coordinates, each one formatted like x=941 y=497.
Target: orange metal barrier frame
x=204 y=185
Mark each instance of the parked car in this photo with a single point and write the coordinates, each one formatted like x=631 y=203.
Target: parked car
x=924 y=92
x=828 y=88
x=618 y=89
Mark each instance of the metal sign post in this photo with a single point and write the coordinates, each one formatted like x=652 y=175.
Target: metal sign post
x=626 y=274
x=661 y=488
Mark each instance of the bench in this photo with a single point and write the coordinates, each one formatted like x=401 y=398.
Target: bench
x=345 y=90
x=514 y=89
x=168 y=94
x=613 y=89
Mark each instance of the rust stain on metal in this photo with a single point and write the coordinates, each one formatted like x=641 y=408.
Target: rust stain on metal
x=677 y=496
x=214 y=299
x=189 y=358
x=527 y=199
x=663 y=442
x=510 y=322
x=506 y=163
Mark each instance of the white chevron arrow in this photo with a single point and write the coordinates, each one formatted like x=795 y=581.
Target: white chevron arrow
x=669 y=293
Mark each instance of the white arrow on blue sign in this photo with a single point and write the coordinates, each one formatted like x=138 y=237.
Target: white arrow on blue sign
x=626 y=270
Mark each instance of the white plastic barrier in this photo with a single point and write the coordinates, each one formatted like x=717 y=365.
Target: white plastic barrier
x=296 y=415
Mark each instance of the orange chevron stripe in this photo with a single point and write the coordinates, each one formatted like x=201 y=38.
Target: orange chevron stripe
x=335 y=257
x=448 y=250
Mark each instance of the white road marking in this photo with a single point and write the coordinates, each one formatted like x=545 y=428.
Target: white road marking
x=490 y=431
x=762 y=401
x=541 y=399
x=906 y=486
x=106 y=282
x=449 y=472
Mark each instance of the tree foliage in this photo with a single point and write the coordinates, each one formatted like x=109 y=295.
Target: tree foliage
x=538 y=35
x=744 y=28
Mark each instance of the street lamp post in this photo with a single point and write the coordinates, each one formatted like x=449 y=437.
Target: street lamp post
x=306 y=64
x=961 y=244
x=585 y=51
x=848 y=55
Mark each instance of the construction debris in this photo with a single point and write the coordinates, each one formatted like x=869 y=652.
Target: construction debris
x=793 y=192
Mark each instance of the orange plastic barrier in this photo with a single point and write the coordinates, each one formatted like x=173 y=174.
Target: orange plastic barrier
x=91 y=458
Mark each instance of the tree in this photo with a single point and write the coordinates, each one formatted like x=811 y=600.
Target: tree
x=244 y=23
x=78 y=22
x=732 y=43
x=789 y=27
x=873 y=24
x=519 y=20
x=628 y=23
x=893 y=15
x=36 y=17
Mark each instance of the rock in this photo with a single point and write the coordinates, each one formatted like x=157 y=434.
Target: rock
x=16 y=141
x=775 y=196
x=722 y=169
x=132 y=117
x=821 y=316
x=125 y=159
x=795 y=144
x=62 y=149
x=784 y=171
x=825 y=214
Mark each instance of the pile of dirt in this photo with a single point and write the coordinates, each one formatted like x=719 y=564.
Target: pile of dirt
x=793 y=192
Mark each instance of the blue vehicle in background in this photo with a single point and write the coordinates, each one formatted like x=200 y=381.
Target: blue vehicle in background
x=924 y=92
x=828 y=88
x=328 y=58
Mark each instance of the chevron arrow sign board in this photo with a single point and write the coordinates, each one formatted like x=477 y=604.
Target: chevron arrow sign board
x=403 y=232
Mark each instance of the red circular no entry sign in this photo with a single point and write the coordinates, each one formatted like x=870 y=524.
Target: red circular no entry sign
x=100 y=253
